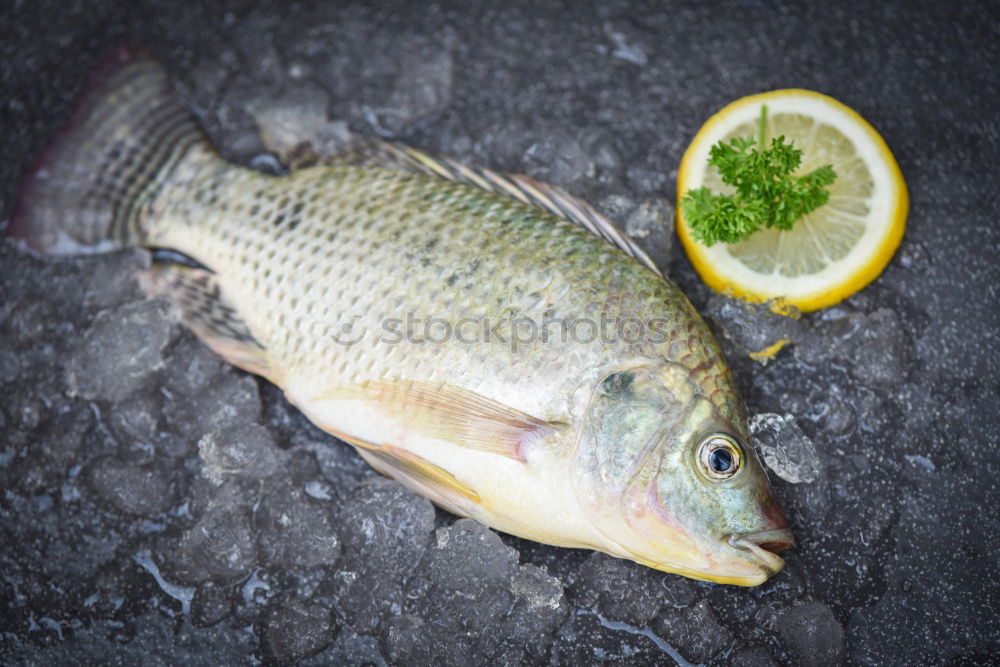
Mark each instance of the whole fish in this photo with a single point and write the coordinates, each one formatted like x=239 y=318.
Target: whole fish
x=489 y=341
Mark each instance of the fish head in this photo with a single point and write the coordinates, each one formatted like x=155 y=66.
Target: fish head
x=670 y=483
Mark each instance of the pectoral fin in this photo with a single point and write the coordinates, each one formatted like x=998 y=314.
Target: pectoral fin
x=453 y=414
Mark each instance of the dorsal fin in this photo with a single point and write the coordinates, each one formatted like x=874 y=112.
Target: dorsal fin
x=347 y=148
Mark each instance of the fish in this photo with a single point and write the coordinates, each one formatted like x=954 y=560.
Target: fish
x=489 y=341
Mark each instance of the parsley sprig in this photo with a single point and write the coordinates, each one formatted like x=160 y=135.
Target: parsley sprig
x=767 y=195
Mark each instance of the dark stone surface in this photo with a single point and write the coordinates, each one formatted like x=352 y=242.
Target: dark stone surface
x=120 y=542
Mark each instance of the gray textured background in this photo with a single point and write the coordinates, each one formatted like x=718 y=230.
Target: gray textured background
x=295 y=549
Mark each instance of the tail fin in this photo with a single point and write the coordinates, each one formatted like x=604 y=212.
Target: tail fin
x=85 y=192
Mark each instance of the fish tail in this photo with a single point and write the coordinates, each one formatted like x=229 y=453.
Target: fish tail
x=88 y=191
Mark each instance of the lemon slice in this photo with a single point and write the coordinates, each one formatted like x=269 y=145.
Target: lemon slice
x=828 y=254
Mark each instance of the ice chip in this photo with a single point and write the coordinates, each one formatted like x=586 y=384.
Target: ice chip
x=470 y=556
x=233 y=124
x=555 y=156
x=587 y=639
x=350 y=648
x=421 y=90
x=135 y=420
x=647 y=180
x=786 y=449
x=755 y=656
x=883 y=353
x=120 y=350
x=211 y=603
x=618 y=590
x=385 y=530
x=755 y=329
x=231 y=399
x=384 y=526
x=604 y=160
x=679 y=592
x=26 y=410
x=140 y=490
x=109 y=283
x=219 y=547
x=537 y=588
x=299 y=118
x=625 y=36
x=464 y=605
x=811 y=634
x=294 y=530
x=369 y=598
x=648 y=220
x=29 y=320
x=295 y=630
x=695 y=631
x=243 y=450
x=875 y=347
x=504 y=144
x=406 y=640
x=539 y=609
x=190 y=366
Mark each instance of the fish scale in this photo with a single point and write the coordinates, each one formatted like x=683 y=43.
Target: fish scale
x=489 y=341
x=364 y=230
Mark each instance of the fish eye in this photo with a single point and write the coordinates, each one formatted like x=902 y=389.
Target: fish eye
x=617 y=384
x=719 y=457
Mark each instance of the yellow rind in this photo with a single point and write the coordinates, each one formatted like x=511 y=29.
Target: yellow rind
x=865 y=274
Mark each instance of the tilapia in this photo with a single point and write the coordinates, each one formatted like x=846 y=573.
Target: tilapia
x=489 y=341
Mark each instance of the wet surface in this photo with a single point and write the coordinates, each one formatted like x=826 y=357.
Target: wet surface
x=160 y=506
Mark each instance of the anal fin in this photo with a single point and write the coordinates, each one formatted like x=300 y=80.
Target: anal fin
x=196 y=293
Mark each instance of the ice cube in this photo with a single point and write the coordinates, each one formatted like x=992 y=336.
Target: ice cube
x=211 y=603
x=618 y=589
x=422 y=88
x=695 y=631
x=295 y=630
x=219 y=547
x=141 y=490
x=294 y=530
x=555 y=156
x=385 y=530
x=754 y=328
x=811 y=634
x=242 y=450
x=786 y=449
x=121 y=350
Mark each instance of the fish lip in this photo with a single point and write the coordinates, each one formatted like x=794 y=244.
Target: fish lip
x=764 y=544
x=773 y=540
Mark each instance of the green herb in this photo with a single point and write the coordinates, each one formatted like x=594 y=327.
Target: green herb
x=767 y=195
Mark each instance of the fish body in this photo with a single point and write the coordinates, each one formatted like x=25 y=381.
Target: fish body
x=500 y=359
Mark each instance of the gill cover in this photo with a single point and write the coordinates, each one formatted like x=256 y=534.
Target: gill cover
x=632 y=417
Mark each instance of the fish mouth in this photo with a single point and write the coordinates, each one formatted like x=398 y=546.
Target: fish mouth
x=765 y=545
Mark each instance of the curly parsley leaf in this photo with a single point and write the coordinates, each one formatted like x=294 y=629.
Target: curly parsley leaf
x=766 y=194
